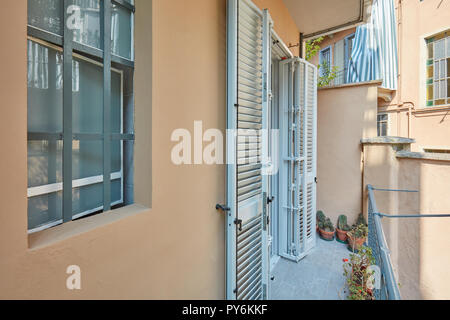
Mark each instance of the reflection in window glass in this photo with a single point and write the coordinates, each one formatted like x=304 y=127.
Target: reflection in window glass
x=87 y=29
x=121 y=32
x=46 y=15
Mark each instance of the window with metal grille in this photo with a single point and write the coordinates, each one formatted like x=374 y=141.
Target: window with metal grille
x=382 y=124
x=438 y=69
x=80 y=108
x=325 y=61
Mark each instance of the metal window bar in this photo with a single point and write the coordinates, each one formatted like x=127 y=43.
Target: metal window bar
x=389 y=289
x=69 y=48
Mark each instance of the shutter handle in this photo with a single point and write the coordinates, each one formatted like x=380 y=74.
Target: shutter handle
x=223 y=208
x=238 y=223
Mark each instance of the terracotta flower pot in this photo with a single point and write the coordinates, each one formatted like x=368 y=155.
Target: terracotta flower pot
x=341 y=235
x=325 y=235
x=355 y=243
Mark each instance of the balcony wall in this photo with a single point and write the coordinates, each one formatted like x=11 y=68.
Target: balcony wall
x=419 y=247
x=346 y=114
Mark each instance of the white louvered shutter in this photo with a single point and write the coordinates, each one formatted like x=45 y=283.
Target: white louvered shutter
x=339 y=62
x=248 y=76
x=298 y=103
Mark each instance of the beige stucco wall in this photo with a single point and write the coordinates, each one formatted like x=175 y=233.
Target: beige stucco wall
x=171 y=245
x=418 y=20
x=345 y=115
x=419 y=247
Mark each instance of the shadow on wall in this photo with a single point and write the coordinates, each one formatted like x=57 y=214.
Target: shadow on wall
x=419 y=247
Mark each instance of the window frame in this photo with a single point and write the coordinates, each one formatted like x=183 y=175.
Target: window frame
x=330 y=48
x=380 y=122
x=431 y=62
x=347 y=53
x=71 y=49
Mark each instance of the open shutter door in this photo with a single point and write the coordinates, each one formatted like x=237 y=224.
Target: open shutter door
x=298 y=121
x=310 y=186
x=247 y=72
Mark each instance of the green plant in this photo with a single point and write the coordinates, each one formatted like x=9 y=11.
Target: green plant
x=358 y=274
x=327 y=74
x=342 y=223
x=326 y=225
x=360 y=220
x=312 y=48
x=359 y=231
x=320 y=216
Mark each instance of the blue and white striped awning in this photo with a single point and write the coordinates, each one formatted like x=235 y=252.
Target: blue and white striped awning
x=374 y=54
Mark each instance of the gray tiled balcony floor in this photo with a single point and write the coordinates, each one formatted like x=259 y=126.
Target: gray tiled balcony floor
x=319 y=276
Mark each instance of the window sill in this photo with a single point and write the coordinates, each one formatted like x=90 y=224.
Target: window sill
x=45 y=238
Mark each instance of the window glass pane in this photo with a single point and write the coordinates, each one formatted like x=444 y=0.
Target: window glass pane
x=87 y=199
x=46 y=15
x=430 y=72
x=442 y=69
x=443 y=87
x=116 y=102
x=436 y=69
x=87 y=159
x=116 y=156
x=44 y=163
x=45 y=96
x=430 y=47
x=45 y=209
x=121 y=31
x=448 y=46
x=448 y=88
x=430 y=93
x=436 y=90
x=448 y=67
x=87 y=28
x=87 y=97
x=116 y=191
x=439 y=49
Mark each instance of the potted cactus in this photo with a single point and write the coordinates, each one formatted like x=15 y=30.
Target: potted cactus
x=319 y=218
x=357 y=237
x=342 y=228
x=326 y=229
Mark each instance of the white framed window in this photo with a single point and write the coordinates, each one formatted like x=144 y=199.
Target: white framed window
x=438 y=70
x=383 y=124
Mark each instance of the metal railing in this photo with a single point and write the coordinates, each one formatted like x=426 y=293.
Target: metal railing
x=389 y=289
x=377 y=241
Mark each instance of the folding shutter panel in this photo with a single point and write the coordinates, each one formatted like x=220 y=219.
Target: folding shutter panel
x=298 y=87
x=310 y=186
x=339 y=62
x=248 y=57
